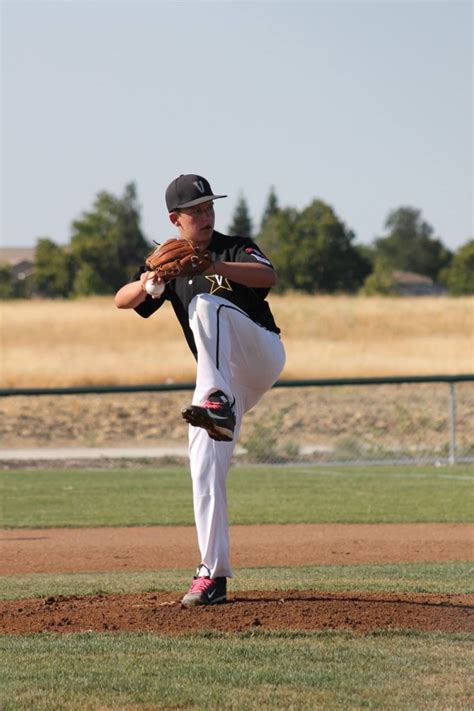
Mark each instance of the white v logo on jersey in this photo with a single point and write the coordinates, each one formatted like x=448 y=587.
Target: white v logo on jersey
x=218 y=282
x=200 y=186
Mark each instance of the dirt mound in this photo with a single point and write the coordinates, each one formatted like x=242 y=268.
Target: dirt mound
x=310 y=610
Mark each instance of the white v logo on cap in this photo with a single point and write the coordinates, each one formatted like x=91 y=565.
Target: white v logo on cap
x=187 y=191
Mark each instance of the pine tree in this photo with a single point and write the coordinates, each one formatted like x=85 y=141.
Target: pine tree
x=241 y=225
x=271 y=207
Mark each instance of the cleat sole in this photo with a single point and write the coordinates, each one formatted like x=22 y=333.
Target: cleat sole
x=196 y=602
x=198 y=417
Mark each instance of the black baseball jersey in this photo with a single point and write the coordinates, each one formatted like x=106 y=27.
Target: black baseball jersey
x=182 y=290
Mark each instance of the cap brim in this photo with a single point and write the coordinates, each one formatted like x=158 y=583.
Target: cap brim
x=199 y=201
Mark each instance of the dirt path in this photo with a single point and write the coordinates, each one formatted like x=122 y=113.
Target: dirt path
x=70 y=550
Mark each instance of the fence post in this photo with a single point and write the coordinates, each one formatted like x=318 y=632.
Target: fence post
x=452 y=423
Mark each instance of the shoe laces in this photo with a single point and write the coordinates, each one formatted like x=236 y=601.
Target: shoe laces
x=215 y=402
x=200 y=584
x=213 y=405
x=218 y=402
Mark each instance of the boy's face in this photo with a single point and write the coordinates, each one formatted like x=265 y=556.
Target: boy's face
x=195 y=224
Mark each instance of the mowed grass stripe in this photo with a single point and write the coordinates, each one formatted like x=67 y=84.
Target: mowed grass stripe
x=143 y=496
x=407 y=577
x=246 y=672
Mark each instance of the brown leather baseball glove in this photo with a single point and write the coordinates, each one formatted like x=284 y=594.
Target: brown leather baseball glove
x=177 y=258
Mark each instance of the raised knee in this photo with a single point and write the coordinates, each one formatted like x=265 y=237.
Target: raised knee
x=204 y=302
x=202 y=307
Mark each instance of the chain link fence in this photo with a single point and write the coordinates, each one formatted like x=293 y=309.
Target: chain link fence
x=388 y=423
x=363 y=421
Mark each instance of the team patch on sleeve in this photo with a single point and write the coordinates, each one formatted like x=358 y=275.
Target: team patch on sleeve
x=258 y=256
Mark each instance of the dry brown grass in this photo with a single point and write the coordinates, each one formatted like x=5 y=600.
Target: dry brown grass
x=89 y=341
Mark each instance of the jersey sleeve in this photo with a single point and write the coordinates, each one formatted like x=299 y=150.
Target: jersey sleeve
x=248 y=251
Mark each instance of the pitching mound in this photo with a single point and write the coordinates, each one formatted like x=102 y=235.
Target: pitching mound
x=309 y=610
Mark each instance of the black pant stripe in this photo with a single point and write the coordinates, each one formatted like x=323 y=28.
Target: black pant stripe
x=233 y=308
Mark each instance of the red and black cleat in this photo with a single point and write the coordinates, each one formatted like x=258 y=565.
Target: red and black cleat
x=215 y=415
x=206 y=591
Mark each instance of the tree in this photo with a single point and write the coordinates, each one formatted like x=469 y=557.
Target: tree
x=459 y=276
x=409 y=245
x=312 y=250
x=241 y=225
x=271 y=208
x=107 y=242
x=276 y=240
x=7 y=282
x=12 y=285
x=380 y=281
x=53 y=269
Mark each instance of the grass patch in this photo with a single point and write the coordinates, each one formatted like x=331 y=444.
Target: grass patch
x=44 y=498
x=252 y=671
x=406 y=577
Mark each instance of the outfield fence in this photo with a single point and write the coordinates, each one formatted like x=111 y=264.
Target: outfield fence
x=417 y=419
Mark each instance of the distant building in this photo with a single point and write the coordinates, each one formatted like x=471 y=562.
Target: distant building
x=411 y=284
x=20 y=259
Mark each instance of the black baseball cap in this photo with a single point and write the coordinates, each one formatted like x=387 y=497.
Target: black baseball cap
x=187 y=191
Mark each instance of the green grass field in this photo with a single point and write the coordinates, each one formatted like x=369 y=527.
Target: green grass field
x=408 y=577
x=330 y=671
x=127 y=497
x=327 y=670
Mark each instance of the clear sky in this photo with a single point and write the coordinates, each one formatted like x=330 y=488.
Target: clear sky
x=365 y=105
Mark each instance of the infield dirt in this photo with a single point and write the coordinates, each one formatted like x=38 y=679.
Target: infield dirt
x=152 y=548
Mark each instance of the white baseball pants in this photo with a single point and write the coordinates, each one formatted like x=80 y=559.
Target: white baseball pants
x=243 y=360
